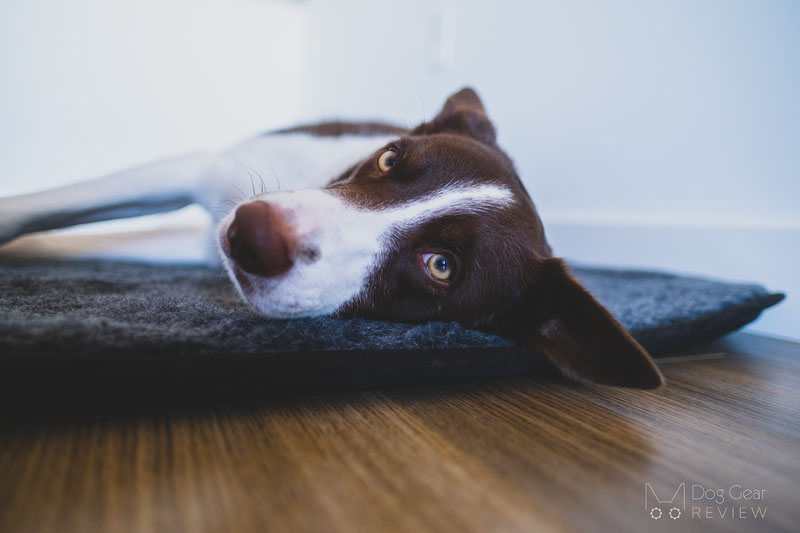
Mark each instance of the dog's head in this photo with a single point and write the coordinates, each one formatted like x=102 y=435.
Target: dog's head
x=435 y=225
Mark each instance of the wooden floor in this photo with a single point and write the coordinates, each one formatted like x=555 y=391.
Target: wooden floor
x=526 y=454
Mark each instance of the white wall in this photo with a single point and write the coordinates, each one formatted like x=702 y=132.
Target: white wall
x=90 y=86
x=649 y=133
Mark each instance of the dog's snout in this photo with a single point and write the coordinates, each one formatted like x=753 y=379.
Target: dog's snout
x=258 y=243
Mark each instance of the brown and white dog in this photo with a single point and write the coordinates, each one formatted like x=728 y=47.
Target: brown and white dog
x=431 y=223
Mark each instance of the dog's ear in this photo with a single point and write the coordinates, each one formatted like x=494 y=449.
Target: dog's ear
x=463 y=113
x=559 y=319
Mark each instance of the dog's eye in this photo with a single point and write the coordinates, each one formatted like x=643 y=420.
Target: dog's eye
x=387 y=159
x=439 y=266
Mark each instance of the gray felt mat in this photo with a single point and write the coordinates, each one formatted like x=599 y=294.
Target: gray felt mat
x=110 y=311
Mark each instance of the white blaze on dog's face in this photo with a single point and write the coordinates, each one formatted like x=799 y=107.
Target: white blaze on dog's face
x=434 y=225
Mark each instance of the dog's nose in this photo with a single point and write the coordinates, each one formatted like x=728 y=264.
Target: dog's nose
x=256 y=242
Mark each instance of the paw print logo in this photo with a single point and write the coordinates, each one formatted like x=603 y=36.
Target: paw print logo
x=655 y=513
x=674 y=513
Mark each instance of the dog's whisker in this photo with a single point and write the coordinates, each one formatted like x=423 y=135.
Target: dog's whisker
x=262 y=185
x=422 y=103
x=403 y=112
x=243 y=194
x=399 y=115
x=275 y=175
x=250 y=172
x=261 y=179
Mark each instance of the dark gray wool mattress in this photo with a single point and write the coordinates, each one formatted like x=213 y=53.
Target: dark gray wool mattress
x=116 y=321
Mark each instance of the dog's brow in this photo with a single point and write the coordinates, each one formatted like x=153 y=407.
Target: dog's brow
x=453 y=200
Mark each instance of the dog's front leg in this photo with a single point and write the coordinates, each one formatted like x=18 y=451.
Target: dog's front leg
x=154 y=188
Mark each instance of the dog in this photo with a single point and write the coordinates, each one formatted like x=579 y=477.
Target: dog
x=381 y=222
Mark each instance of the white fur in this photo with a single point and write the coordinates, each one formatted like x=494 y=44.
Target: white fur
x=349 y=243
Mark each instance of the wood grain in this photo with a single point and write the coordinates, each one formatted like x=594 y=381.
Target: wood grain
x=520 y=454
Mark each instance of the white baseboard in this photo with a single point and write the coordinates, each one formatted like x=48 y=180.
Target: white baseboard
x=768 y=256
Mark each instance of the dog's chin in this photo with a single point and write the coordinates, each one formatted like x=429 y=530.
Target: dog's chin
x=269 y=297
